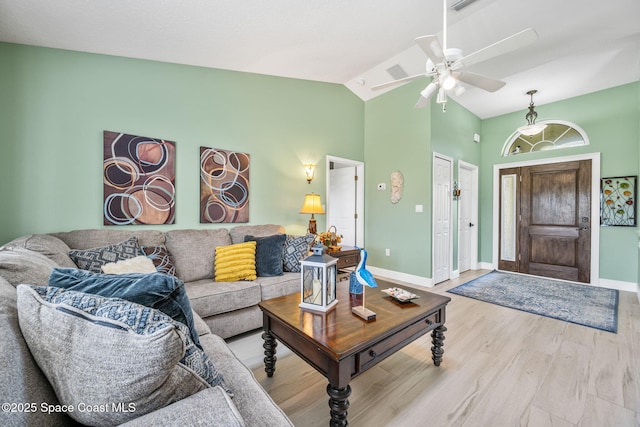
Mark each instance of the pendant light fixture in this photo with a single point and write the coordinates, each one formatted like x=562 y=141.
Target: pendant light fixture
x=531 y=128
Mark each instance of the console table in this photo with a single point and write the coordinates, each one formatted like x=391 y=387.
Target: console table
x=341 y=346
x=348 y=256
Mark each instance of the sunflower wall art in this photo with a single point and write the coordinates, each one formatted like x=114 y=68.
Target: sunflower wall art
x=618 y=201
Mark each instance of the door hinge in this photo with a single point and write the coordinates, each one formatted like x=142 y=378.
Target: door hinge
x=355 y=216
x=355 y=177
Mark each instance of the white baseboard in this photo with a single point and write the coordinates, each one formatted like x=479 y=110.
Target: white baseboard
x=403 y=277
x=486 y=266
x=428 y=282
x=618 y=284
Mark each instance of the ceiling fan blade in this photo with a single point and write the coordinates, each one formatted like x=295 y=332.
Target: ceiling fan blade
x=503 y=46
x=426 y=94
x=477 y=80
x=399 y=81
x=432 y=47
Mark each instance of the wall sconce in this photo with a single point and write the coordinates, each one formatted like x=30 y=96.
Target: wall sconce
x=309 y=170
x=456 y=191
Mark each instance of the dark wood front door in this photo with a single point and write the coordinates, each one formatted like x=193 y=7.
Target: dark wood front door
x=553 y=228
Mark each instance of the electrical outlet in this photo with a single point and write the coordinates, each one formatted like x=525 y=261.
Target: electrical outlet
x=387 y=252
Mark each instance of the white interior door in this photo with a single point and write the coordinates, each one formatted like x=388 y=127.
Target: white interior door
x=345 y=199
x=442 y=199
x=467 y=216
x=343 y=203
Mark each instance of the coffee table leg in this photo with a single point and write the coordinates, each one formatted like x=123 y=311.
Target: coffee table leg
x=338 y=404
x=437 y=338
x=270 y=358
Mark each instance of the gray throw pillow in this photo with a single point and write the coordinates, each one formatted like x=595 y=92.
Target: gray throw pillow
x=295 y=249
x=160 y=291
x=116 y=359
x=269 y=260
x=93 y=259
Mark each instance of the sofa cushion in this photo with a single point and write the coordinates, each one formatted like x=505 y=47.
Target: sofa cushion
x=22 y=380
x=209 y=298
x=93 y=259
x=49 y=246
x=92 y=238
x=139 y=264
x=19 y=265
x=161 y=259
x=199 y=324
x=210 y=407
x=236 y=262
x=273 y=287
x=253 y=402
x=238 y=232
x=268 y=254
x=295 y=249
x=193 y=251
x=159 y=291
x=98 y=351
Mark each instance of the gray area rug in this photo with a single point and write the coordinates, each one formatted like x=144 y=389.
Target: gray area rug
x=580 y=304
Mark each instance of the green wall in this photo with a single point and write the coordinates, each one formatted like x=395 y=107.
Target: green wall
x=55 y=104
x=452 y=136
x=400 y=137
x=610 y=120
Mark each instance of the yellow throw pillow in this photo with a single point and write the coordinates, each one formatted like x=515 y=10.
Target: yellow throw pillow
x=236 y=262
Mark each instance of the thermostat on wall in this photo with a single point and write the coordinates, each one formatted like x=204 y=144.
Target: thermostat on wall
x=382 y=186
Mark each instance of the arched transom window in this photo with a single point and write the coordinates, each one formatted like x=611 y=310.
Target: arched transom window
x=557 y=134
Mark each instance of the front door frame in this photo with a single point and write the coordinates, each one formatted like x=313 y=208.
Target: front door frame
x=595 y=205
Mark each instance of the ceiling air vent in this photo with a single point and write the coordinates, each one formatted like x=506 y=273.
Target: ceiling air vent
x=460 y=4
x=397 y=72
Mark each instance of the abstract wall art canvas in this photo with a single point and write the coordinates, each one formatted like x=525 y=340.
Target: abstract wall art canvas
x=138 y=180
x=224 y=186
x=618 y=201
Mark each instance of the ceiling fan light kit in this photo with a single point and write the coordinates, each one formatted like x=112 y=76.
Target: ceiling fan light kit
x=429 y=90
x=445 y=65
x=531 y=128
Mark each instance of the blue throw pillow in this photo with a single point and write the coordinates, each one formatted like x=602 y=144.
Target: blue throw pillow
x=268 y=254
x=160 y=291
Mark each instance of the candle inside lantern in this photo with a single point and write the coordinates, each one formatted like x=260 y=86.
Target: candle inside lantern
x=317 y=292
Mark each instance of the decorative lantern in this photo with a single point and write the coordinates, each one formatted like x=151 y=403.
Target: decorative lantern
x=318 y=280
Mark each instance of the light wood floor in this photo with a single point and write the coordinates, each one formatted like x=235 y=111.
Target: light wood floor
x=501 y=367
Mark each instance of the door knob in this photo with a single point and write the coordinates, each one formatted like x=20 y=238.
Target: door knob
x=471 y=224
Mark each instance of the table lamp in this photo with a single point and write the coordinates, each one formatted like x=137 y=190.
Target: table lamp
x=312 y=205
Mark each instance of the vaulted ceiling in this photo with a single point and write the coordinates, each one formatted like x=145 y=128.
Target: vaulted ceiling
x=583 y=46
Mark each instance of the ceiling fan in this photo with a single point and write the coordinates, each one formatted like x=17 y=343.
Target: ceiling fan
x=445 y=64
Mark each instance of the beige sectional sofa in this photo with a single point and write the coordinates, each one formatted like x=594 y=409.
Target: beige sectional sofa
x=228 y=308
x=223 y=309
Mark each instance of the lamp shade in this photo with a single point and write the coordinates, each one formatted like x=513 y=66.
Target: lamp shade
x=532 y=129
x=311 y=204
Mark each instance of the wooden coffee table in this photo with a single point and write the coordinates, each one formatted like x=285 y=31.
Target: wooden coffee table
x=340 y=345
